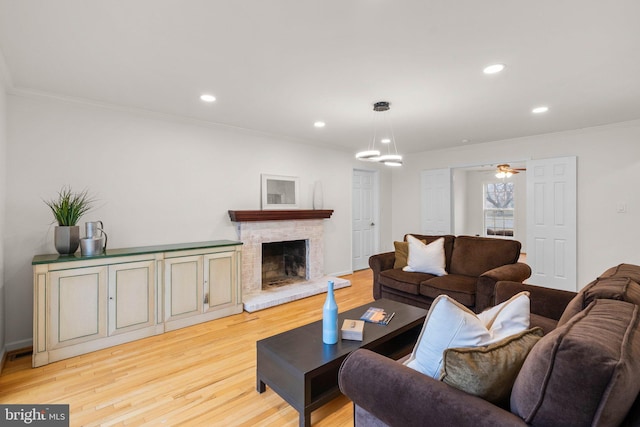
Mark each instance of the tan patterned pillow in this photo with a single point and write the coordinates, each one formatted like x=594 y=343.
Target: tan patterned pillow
x=402 y=253
x=490 y=371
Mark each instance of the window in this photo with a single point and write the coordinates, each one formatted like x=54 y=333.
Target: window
x=498 y=208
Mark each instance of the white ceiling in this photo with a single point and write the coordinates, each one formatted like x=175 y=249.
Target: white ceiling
x=276 y=66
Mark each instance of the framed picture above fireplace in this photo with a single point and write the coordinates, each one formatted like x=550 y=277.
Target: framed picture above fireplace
x=280 y=192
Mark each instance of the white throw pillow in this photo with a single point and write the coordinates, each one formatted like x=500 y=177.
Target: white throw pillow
x=426 y=258
x=450 y=324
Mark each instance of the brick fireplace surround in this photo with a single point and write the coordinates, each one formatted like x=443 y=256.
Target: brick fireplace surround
x=257 y=227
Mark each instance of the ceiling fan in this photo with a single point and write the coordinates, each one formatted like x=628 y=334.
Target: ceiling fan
x=505 y=171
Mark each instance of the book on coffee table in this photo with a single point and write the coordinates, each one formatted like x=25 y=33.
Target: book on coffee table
x=377 y=316
x=352 y=330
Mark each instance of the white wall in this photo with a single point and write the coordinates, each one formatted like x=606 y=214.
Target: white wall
x=4 y=84
x=158 y=180
x=608 y=174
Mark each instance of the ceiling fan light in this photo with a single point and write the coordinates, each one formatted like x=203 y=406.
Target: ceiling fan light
x=367 y=154
x=501 y=175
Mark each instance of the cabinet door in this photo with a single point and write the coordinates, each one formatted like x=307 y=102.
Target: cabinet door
x=220 y=280
x=131 y=296
x=78 y=306
x=183 y=287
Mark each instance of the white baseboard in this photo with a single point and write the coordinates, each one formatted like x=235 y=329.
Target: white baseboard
x=340 y=273
x=16 y=345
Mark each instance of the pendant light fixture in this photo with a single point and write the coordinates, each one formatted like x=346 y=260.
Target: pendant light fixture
x=382 y=134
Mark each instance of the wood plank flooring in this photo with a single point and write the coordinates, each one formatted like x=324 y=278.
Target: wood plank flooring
x=203 y=375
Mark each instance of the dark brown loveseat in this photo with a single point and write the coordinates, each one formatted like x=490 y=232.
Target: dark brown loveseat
x=584 y=372
x=474 y=265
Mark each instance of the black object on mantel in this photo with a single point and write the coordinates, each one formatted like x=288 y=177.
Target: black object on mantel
x=279 y=215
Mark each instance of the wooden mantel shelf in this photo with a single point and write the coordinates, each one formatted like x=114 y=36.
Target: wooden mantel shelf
x=279 y=215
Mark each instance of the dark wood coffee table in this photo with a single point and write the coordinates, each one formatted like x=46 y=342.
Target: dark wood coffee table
x=304 y=371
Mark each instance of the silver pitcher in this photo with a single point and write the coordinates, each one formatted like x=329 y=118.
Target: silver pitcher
x=93 y=229
x=96 y=241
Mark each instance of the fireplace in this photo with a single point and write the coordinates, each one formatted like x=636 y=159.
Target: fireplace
x=258 y=230
x=284 y=263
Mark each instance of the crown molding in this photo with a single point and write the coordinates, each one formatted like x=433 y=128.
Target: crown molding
x=153 y=114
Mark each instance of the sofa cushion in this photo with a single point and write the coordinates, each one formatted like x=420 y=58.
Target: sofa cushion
x=461 y=288
x=403 y=281
x=489 y=371
x=402 y=253
x=612 y=287
x=623 y=270
x=545 y=323
x=585 y=372
x=473 y=256
x=448 y=245
x=426 y=258
x=450 y=324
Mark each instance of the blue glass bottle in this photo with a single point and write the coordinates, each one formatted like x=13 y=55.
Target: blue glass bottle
x=330 y=318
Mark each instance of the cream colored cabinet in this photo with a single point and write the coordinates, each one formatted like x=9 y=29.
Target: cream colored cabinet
x=79 y=296
x=201 y=287
x=221 y=283
x=183 y=287
x=132 y=296
x=83 y=304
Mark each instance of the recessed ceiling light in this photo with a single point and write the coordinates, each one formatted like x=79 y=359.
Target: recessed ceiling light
x=538 y=110
x=319 y=124
x=495 y=68
x=207 y=98
x=464 y=141
x=385 y=140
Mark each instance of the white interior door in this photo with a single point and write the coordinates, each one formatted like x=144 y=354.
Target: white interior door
x=364 y=218
x=435 y=185
x=551 y=222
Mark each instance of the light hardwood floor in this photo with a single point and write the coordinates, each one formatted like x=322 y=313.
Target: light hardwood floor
x=203 y=375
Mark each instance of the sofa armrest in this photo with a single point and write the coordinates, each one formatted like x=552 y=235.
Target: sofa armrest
x=518 y=272
x=378 y=263
x=485 y=288
x=401 y=396
x=546 y=302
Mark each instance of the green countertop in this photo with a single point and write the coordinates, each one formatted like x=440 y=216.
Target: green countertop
x=110 y=253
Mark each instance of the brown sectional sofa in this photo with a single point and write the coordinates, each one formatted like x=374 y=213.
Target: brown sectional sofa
x=584 y=372
x=474 y=265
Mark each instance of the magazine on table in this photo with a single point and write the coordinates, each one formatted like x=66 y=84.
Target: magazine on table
x=377 y=315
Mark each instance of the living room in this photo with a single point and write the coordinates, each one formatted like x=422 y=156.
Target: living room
x=163 y=177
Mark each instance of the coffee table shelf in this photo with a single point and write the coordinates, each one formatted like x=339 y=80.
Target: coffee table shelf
x=304 y=371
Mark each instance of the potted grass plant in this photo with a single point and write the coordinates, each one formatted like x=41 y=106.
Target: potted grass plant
x=67 y=209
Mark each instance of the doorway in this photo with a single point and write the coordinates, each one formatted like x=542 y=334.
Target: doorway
x=544 y=220
x=364 y=217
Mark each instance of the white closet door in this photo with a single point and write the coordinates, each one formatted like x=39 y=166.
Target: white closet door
x=551 y=222
x=436 y=201
x=364 y=226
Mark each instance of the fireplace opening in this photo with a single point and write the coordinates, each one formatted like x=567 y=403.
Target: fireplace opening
x=284 y=263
